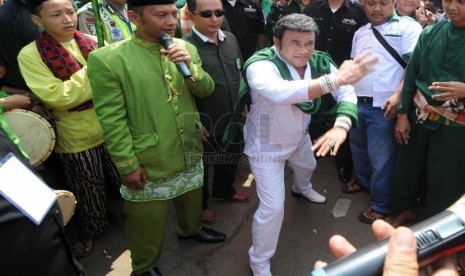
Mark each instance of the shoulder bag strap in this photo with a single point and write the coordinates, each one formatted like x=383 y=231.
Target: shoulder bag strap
x=388 y=47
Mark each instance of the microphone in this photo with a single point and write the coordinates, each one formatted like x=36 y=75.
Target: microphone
x=166 y=40
x=440 y=235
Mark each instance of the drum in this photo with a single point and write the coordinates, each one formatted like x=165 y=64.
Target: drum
x=67 y=203
x=36 y=135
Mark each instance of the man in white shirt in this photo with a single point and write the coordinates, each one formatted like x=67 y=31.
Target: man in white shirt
x=283 y=82
x=372 y=143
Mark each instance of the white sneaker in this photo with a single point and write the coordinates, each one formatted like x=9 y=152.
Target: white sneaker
x=312 y=195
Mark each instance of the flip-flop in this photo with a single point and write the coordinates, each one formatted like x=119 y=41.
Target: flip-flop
x=370 y=215
x=351 y=187
x=83 y=247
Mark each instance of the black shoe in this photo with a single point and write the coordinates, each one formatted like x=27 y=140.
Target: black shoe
x=344 y=174
x=152 y=272
x=208 y=235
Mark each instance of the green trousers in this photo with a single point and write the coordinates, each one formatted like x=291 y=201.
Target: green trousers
x=429 y=167
x=145 y=225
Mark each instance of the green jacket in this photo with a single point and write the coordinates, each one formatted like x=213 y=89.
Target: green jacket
x=142 y=126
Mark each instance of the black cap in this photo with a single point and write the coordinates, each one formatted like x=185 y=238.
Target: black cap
x=136 y=3
x=33 y=4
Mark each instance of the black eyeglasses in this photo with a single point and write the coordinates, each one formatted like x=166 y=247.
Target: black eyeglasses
x=208 y=14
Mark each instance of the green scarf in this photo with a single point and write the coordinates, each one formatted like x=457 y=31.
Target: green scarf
x=9 y=132
x=320 y=63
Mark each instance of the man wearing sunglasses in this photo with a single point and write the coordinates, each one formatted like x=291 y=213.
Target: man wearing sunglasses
x=221 y=58
x=209 y=13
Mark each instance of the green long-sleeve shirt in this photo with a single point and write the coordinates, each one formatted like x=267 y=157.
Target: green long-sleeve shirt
x=143 y=126
x=438 y=56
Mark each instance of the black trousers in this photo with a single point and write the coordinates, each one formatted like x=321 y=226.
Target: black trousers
x=224 y=163
x=52 y=172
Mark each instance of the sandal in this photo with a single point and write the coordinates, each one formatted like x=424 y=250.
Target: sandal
x=351 y=187
x=83 y=247
x=370 y=215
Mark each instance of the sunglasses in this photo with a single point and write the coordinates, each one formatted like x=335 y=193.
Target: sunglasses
x=208 y=14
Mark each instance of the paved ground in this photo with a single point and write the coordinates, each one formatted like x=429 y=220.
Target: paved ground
x=304 y=236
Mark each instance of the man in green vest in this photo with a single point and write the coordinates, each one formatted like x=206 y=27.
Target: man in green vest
x=285 y=83
x=114 y=16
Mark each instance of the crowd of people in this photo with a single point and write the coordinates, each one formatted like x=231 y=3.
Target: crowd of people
x=376 y=84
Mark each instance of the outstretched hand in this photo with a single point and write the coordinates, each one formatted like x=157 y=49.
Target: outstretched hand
x=353 y=70
x=330 y=142
x=450 y=90
x=426 y=18
x=15 y=101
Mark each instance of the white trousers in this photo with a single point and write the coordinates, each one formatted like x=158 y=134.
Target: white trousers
x=269 y=178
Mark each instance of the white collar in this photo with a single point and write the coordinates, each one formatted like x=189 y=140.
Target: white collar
x=221 y=35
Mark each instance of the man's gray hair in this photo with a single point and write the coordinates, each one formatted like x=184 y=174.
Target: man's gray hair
x=295 y=22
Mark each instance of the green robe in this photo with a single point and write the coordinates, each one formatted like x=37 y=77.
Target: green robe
x=438 y=56
x=143 y=127
x=430 y=166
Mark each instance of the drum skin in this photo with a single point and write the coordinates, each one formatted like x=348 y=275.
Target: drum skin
x=67 y=203
x=35 y=133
